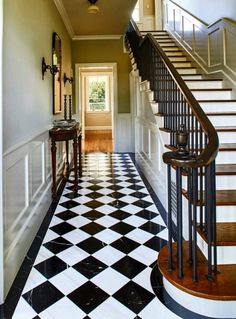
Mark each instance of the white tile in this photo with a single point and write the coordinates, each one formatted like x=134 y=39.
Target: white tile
x=108 y=236
x=129 y=199
x=106 y=199
x=78 y=221
x=122 y=178
x=153 y=208
x=148 y=199
x=85 y=184
x=63 y=309
x=135 y=221
x=63 y=199
x=106 y=209
x=35 y=279
x=112 y=309
x=55 y=220
x=104 y=184
x=72 y=255
x=105 y=191
x=107 y=221
x=124 y=184
x=23 y=310
x=159 y=220
x=59 y=209
x=139 y=235
x=132 y=209
x=110 y=280
x=68 y=280
x=126 y=191
x=50 y=235
x=76 y=236
x=144 y=254
x=43 y=254
x=163 y=234
x=84 y=191
x=81 y=209
x=82 y=199
x=144 y=279
x=156 y=307
x=108 y=255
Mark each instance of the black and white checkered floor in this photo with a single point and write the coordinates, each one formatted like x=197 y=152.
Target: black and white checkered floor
x=97 y=255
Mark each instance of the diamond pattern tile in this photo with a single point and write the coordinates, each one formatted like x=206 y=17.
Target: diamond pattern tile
x=96 y=257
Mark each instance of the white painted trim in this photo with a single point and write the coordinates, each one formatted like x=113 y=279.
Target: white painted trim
x=97 y=128
x=64 y=17
x=1 y=163
x=79 y=95
x=97 y=37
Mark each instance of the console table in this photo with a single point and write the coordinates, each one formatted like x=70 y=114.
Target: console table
x=60 y=134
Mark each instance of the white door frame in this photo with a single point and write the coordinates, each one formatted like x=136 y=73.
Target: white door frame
x=79 y=94
x=1 y=160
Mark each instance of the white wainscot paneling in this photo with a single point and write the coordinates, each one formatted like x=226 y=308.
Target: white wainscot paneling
x=37 y=168
x=188 y=29
x=215 y=48
x=123 y=136
x=178 y=22
x=230 y=40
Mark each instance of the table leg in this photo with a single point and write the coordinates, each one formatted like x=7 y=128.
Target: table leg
x=75 y=150
x=54 y=181
x=80 y=153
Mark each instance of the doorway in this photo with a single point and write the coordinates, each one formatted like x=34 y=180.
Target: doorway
x=96 y=104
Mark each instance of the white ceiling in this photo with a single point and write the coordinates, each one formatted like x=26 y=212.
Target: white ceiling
x=111 y=20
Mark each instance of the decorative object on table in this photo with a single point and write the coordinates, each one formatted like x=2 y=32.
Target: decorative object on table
x=64 y=123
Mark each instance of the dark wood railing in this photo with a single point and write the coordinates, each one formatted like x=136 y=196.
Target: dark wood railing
x=194 y=146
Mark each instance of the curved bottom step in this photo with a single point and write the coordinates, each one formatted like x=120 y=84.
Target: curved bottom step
x=215 y=299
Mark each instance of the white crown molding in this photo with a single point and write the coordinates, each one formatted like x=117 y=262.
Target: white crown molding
x=97 y=37
x=65 y=17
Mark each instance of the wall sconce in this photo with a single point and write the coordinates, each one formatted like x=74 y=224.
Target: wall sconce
x=65 y=79
x=53 y=69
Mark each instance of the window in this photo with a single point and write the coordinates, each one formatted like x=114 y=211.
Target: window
x=98 y=99
x=136 y=12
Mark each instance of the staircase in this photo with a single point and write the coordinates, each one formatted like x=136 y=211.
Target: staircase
x=217 y=102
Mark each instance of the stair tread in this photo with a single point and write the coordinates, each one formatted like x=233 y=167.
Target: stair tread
x=226 y=169
x=218 y=128
x=225 y=234
x=215 y=101
x=224 y=197
x=203 y=80
x=212 y=90
x=227 y=146
x=223 y=287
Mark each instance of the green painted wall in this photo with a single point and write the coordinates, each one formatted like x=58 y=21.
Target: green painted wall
x=111 y=51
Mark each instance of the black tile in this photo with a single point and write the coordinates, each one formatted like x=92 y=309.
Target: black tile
x=138 y=194
x=66 y=215
x=71 y=188
x=94 y=204
x=93 y=215
x=51 y=267
x=118 y=204
x=124 y=244
x=156 y=243
x=57 y=245
x=62 y=228
x=94 y=188
x=94 y=195
x=129 y=267
x=69 y=204
x=43 y=296
x=134 y=296
x=122 y=228
x=119 y=214
x=135 y=187
x=90 y=267
x=142 y=203
x=92 y=228
x=152 y=227
x=147 y=214
x=72 y=195
x=115 y=187
x=91 y=245
x=88 y=297
x=95 y=181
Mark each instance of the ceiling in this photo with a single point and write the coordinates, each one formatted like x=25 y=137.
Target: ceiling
x=111 y=20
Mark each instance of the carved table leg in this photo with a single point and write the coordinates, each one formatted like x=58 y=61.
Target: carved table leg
x=80 y=154
x=54 y=181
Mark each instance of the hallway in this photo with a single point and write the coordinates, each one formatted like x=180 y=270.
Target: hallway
x=98 y=253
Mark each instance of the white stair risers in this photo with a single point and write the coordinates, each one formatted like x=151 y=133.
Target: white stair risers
x=187 y=71
x=204 y=84
x=226 y=157
x=169 y=44
x=226 y=182
x=192 y=76
x=226 y=120
x=182 y=64
x=176 y=53
x=178 y=59
x=212 y=95
x=225 y=214
x=218 y=106
x=171 y=49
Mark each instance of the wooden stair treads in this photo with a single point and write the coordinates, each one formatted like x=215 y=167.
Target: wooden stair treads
x=226 y=169
x=229 y=147
x=223 y=287
x=225 y=234
x=226 y=197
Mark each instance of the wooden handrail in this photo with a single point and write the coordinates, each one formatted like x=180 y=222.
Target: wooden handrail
x=209 y=154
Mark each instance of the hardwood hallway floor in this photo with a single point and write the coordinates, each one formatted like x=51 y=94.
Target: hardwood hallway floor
x=97 y=141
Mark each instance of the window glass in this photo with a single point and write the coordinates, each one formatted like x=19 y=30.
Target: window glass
x=98 y=93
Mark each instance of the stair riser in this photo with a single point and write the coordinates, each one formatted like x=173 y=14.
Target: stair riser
x=187 y=71
x=182 y=64
x=229 y=120
x=225 y=214
x=170 y=44
x=163 y=39
x=226 y=157
x=204 y=85
x=176 y=53
x=212 y=95
x=227 y=137
x=178 y=59
x=218 y=107
x=192 y=77
x=225 y=254
x=171 y=49
x=222 y=182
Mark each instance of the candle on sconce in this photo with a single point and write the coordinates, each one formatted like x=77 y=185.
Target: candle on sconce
x=54 y=59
